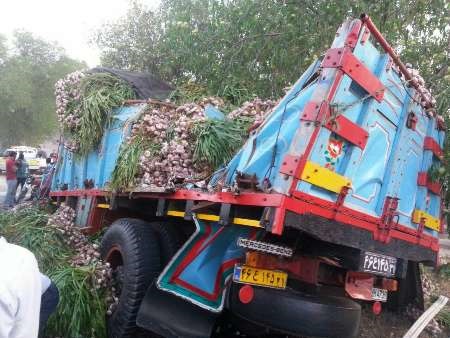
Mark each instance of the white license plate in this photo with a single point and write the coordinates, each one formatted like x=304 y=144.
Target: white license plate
x=379 y=294
x=379 y=264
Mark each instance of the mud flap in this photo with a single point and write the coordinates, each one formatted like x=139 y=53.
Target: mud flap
x=171 y=316
x=409 y=290
x=201 y=269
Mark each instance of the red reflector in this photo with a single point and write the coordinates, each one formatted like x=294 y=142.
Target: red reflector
x=376 y=308
x=246 y=294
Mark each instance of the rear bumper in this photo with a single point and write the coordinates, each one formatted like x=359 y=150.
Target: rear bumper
x=298 y=313
x=335 y=232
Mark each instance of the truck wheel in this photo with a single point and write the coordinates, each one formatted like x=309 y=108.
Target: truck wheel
x=131 y=247
x=169 y=240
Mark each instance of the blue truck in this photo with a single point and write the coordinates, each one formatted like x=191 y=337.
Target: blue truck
x=329 y=204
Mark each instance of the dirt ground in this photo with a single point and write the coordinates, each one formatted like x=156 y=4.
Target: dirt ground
x=395 y=325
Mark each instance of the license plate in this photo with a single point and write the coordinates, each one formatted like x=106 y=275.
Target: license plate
x=379 y=294
x=262 y=277
x=379 y=264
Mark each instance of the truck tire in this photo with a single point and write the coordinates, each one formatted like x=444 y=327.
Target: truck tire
x=169 y=240
x=132 y=248
x=298 y=313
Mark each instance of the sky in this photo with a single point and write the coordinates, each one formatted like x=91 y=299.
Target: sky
x=70 y=23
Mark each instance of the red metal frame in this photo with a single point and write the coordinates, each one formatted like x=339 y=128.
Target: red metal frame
x=307 y=204
x=255 y=199
x=95 y=218
x=301 y=203
x=290 y=164
x=424 y=181
x=78 y=193
x=344 y=59
x=314 y=111
x=431 y=144
x=348 y=130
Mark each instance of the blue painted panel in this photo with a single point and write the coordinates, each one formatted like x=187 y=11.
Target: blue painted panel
x=367 y=168
x=99 y=163
x=262 y=153
x=387 y=167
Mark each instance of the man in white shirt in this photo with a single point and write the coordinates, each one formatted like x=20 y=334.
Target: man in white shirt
x=20 y=292
x=21 y=288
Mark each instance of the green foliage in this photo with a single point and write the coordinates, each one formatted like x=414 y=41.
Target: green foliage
x=100 y=94
x=189 y=92
x=444 y=318
x=216 y=141
x=28 y=72
x=81 y=311
x=444 y=270
x=241 y=48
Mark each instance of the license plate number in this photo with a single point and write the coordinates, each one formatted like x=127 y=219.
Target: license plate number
x=262 y=277
x=379 y=264
x=379 y=294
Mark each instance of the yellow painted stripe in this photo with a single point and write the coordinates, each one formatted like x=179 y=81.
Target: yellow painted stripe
x=175 y=213
x=208 y=217
x=103 y=206
x=430 y=221
x=324 y=178
x=215 y=218
x=246 y=221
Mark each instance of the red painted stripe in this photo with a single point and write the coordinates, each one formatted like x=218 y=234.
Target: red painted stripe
x=193 y=252
x=209 y=296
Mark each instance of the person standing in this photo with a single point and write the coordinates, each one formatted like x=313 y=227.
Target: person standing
x=20 y=292
x=11 y=180
x=27 y=296
x=22 y=171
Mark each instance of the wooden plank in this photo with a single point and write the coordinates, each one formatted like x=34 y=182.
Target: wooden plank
x=426 y=318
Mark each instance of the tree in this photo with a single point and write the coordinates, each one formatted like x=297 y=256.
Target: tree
x=240 y=48
x=27 y=76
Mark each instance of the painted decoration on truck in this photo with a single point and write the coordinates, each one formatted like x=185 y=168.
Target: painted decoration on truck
x=333 y=152
x=201 y=269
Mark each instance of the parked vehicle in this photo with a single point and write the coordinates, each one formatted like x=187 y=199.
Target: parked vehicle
x=33 y=156
x=328 y=204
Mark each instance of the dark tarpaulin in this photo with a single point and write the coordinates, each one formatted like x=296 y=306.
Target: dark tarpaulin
x=146 y=85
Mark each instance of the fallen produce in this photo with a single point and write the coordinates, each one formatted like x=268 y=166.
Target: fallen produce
x=71 y=260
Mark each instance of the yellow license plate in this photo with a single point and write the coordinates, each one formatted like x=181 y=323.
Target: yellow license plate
x=262 y=277
x=33 y=162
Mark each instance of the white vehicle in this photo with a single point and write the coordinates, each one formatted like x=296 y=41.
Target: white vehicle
x=34 y=157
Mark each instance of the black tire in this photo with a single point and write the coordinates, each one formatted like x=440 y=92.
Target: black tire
x=298 y=313
x=169 y=240
x=137 y=244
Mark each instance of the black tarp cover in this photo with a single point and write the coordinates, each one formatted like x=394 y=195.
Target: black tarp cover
x=146 y=85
